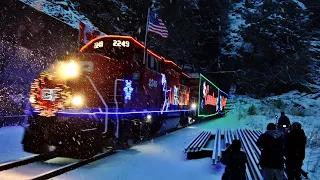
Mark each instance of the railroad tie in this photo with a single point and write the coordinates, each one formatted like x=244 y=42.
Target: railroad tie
x=190 y=145
x=215 y=147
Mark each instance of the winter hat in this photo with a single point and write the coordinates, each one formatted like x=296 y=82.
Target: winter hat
x=296 y=126
x=236 y=144
x=271 y=126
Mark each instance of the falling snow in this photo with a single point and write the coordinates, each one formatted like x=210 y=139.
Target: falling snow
x=151 y=159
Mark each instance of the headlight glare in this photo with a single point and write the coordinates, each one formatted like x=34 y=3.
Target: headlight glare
x=77 y=101
x=69 y=69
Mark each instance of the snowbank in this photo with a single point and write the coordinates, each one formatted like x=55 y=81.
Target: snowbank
x=64 y=10
x=299 y=107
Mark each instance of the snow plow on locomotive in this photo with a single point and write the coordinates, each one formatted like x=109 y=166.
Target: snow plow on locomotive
x=106 y=96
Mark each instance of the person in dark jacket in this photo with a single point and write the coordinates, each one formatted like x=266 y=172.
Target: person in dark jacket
x=295 y=151
x=283 y=122
x=271 y=161
x=235 y=161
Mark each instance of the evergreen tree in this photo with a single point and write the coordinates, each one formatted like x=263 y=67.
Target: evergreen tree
x=278 y=59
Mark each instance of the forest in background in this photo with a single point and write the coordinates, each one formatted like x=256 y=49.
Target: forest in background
x=262 y=47
x=259 y=46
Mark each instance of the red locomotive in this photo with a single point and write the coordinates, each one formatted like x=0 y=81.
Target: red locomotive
x=106 y=93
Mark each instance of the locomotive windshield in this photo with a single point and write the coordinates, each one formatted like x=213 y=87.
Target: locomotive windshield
x=118 y=49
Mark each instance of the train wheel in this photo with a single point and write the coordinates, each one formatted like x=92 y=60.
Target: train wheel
x=156 y=124
x=146 y=131
x=129 y=142
x=126 y=139
x=183 y=119
x=32 y=142
x=90 y=146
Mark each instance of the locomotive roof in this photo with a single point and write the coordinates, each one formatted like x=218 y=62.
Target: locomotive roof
x=137 y=43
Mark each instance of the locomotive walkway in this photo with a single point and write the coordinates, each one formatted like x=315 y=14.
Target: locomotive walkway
x=211 y=144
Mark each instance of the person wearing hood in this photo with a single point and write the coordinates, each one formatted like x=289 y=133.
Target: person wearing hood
x=271 y=161
x=283 y=123
x=235 y=161
x=295 y=151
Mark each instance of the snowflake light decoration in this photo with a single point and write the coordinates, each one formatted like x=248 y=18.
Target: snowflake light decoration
x=128 y=89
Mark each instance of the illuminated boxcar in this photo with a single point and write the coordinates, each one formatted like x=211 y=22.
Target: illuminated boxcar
x=210 y=99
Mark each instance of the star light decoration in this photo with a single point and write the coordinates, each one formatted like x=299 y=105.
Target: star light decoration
x=128 y=89
x=47 y=97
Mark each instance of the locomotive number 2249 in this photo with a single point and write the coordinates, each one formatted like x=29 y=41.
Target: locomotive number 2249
x=119 y=43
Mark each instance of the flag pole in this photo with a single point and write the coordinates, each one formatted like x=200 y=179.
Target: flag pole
x=145 y=39
x=79 y=38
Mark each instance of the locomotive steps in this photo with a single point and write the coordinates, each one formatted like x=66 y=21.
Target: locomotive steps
x=212 y=144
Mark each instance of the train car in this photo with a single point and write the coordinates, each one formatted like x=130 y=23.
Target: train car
x=210 y=99
x=105 y=95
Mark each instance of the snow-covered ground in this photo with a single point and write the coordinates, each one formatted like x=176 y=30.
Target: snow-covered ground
x=163 y=158
x=10 y=143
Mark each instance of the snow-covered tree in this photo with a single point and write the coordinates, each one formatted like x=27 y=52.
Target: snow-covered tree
x=277 y=59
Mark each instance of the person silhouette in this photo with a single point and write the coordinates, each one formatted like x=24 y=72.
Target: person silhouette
x=235 y=161
x=295 y=151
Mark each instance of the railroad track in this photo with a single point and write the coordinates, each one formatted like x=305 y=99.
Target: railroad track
x=25 y=161
x=55 y=172
x=71 y=166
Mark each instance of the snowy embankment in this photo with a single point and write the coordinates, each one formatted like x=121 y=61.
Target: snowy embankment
x=64 y=10
x=314 y=50
x=299 y=107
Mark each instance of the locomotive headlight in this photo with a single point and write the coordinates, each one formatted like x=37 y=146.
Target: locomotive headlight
x=77 y=101
x=148 y=118
x=193 y=105
x=69 y=70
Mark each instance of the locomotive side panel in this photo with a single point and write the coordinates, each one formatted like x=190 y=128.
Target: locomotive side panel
x=173 y=80
x=184 y=94
x=152 y=89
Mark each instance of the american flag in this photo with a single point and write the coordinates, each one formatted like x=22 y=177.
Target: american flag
x=157 y=26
